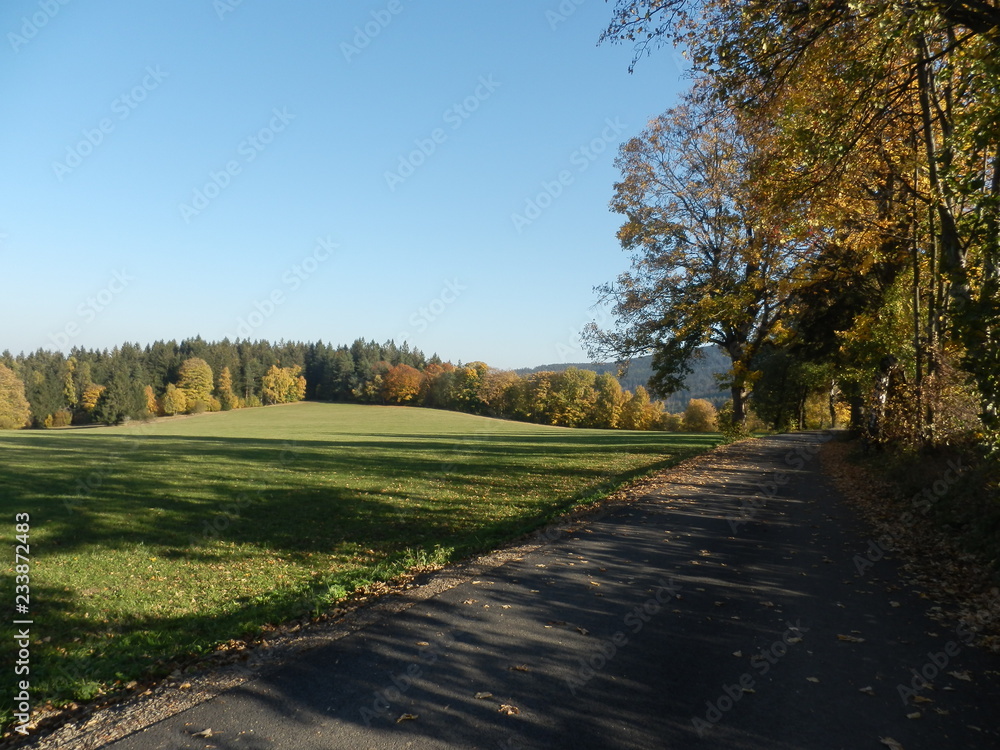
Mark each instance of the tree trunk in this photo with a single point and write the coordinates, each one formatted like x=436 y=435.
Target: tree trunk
x=739 y=394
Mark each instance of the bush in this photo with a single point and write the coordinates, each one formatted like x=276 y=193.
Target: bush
x=731 y=431
x=699 y=416
x=671 y=422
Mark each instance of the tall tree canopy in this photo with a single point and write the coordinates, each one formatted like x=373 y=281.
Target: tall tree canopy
x=881 y=122
x=710 y=262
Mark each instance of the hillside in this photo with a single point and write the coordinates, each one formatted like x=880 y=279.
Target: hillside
x=700 y=383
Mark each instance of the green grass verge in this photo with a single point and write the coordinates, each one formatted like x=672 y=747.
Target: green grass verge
x=152 y=543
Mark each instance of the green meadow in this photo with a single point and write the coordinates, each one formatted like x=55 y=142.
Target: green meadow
x=154 y=543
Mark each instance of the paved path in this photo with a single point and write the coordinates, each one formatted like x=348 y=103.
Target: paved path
x=660 y=623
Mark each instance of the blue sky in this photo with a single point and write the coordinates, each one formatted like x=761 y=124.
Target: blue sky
x=438 y=172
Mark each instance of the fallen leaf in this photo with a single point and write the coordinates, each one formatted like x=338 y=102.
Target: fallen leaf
x=185 y=686
x=469 y=601
x=407 y=717
x=869 y=690
x=203 y=733
x=794 y=639
x=813 y=679
x=483 y=696
x=921 y=699
x=583 y=631
x=506 y=708
x=518 y=668
x=914 y=715
x=890 y=743
x=850 y=638
x=894 y=604
x=962 y=676
x=737 y=653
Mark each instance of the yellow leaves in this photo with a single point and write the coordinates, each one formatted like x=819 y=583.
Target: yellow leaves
x=850 y=638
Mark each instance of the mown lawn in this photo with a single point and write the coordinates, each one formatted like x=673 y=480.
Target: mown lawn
x=151 y=543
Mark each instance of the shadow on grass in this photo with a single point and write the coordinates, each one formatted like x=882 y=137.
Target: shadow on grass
x=378 y=500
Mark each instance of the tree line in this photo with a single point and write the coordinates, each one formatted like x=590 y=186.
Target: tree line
x=45 y=389
x=824 y=205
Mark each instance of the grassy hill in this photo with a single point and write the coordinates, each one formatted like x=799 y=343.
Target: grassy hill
x=701 y=383
x=157 y=542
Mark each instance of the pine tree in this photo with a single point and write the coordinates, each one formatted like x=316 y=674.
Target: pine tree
x=123 y=399
x=227 y=397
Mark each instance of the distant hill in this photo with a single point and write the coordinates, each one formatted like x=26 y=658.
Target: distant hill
x=701 y=383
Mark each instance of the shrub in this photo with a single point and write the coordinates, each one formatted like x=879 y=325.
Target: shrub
x=699 y=416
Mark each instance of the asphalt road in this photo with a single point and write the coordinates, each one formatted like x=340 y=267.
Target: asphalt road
x=694 y=617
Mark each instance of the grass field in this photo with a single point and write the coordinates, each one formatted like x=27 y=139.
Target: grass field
x=152 y=543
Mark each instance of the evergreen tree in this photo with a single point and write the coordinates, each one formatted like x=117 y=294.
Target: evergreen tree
x=124 y=397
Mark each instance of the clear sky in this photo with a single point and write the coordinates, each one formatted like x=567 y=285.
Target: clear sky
x=436 y=172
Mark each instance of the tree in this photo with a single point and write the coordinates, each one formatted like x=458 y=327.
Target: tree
x=227 y=398
x=401 y=384
x=91 y=395
x=195 y=379
x=496 y=391
x=438 y=385
x=151 y=406
x=123 y=398
x=709 y=263
x=283 y=385
x=639 y=413
x=608 y=403
x=173 y=401
x=699 y=416
x=14 y=409
x=905 y=92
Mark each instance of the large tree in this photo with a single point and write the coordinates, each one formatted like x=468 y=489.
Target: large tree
x=899 y=99
x=709 y=263
x=195 y=379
